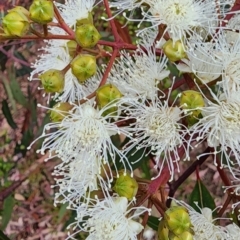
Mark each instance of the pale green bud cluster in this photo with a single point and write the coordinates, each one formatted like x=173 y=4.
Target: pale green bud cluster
x=192 y=101
x=106 y=94
x=41 y=11
x=16 y=22
x=126 y=186
x=174 y=50
x=176 y=225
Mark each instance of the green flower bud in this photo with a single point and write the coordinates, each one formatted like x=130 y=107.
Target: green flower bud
x=72 y=46
x=52 y=81
x=41 y=11
x=84 y=67
x=107 y=94
x=177 y=219
x=174 y=51
x=126 y=186
x=60 y=111
x=87 y=20
x=192 y=101
x=183 y=236
x=163 y=231
x=87 y=35
x=16 y=22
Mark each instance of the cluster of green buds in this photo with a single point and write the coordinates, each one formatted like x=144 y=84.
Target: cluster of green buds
x=84 y=66
x=175 y=225
x=52 y=81
x=60 y=111
x=16 y=22
x=126 y=186
x=174 y=50
x=192 y=101
x=107 y=94
x=41 y=11
x=86 y=34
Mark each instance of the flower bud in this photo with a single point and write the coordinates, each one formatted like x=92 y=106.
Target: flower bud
x=192 y=101
x=84 y=67
x=87 y=35
x=126 y=186
x=177 y=219
x=41 y=11
x=163 y=231
x=174 y=51
x=71 y=47
x=60 y=111
x=87 y=20
x=183 y=236
x=52 y=81
x=107 y=94
x=16 y=22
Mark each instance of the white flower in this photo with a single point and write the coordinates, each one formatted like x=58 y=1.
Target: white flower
x=202 y=62
x=204 y=227
x=129 y=5
x=76 y=179
x=230 y=54
x=183 y=17
x=83 y=130
x=233 y=27
x=220 y=126
x=112 y=219
x=140 y=74
x=234 y=231
x=73 y=10
x=158 y=130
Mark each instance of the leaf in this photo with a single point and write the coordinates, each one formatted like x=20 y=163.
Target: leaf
x=25 y=142
x=146 y=170
x=201 y=195
x=7 y=113
x=24 y=69
x=153 y=222
x=8 y=205
x=62 y=212
x=3 y=236
x=17 y=92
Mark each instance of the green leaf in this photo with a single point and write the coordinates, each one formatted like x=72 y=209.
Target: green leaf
x=3 y=236
x=25 y=142
x=24 y=69
x=8 y=205
x=146 y=170
x=201 y=195
x=17 y=92
x=62 y=211
x=153 y=222
x=7 y=113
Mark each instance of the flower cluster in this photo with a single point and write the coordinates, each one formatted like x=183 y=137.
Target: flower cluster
x=150 y=104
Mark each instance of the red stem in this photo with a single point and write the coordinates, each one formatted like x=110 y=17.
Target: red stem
x=62 y=22
x=112 y=23
x=109 y=67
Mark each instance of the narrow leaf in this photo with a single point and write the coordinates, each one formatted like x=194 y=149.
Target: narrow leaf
x=17 y=92
x=3 y=236
x=8 y=205
x=62 y=211
x=201 y=195
x=153 y=222
x=7 y=113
